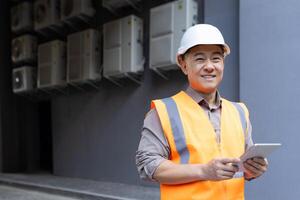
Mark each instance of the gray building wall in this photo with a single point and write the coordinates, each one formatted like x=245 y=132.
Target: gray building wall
x=96 y=134
x=225 y=15
x=269 y=84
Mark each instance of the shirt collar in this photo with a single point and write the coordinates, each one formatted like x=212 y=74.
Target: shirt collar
x=198 y=97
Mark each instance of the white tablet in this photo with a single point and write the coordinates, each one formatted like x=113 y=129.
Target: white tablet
x=258 y=150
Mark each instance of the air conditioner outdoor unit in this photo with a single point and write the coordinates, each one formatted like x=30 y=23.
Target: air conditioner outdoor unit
x=24 y=49
x=77 y=9
x=83 y=56
x=114 y=5
x=51 y=64
x=24 y=79
x=46 y=14
x=22 y=17
x=123 y=47
x=168 y=22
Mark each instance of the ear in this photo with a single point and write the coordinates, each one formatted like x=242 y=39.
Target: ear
x=182 y=64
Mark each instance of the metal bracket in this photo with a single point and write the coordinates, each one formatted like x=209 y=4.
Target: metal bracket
x=114 y=81
x=160 y=73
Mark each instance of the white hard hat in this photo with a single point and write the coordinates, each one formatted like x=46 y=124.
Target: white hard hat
x=201 y=34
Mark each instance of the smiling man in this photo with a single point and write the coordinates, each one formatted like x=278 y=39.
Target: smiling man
x=191 y=142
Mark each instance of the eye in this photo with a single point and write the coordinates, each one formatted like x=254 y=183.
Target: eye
x=200 y=59
x=216 y=59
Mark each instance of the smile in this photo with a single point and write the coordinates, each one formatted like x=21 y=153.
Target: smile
x=208 y=76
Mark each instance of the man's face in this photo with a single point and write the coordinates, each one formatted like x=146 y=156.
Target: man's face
x=204 y=65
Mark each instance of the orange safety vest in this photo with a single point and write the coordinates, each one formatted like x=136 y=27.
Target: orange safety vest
x=192 y=139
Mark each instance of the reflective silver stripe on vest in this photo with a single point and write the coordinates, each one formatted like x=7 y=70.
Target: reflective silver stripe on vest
x=242 y=116
x=177 y=129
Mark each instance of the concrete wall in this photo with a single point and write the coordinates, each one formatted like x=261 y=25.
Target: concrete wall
x=269 y=84
x=96 y=134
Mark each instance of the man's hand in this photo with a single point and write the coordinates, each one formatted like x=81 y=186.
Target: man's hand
x=255 y=167
x=221 y=169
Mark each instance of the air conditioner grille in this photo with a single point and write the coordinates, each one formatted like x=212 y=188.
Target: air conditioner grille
x=17 y=49
x=21 y=17
x=18 y=81
x=83 y=56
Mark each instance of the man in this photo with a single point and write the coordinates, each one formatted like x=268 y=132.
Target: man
x=191 y=142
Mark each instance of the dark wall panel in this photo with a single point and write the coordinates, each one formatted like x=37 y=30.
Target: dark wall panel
x=18 y=119
x=9 y=159
x=96 y=134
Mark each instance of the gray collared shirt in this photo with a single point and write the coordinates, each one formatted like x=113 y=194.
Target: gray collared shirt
x=154 y=147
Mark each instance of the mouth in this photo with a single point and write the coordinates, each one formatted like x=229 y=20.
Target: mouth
x=208 y=77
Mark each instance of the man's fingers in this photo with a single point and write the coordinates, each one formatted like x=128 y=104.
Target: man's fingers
x=225 y=174
x=230 y=160
x=223 y=177
x=260 y=160
x=253 y=170
x=230 y=167
x=223 y=168
x=254 y=164
x=257 y=165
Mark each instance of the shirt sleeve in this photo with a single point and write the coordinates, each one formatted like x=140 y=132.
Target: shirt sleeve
x=248 y=136
x=153 y=147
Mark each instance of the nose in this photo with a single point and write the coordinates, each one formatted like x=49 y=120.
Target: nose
x=209 y=66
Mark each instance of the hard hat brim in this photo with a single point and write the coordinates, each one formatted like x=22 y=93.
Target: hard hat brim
x=180 y=52
x=225 y=48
